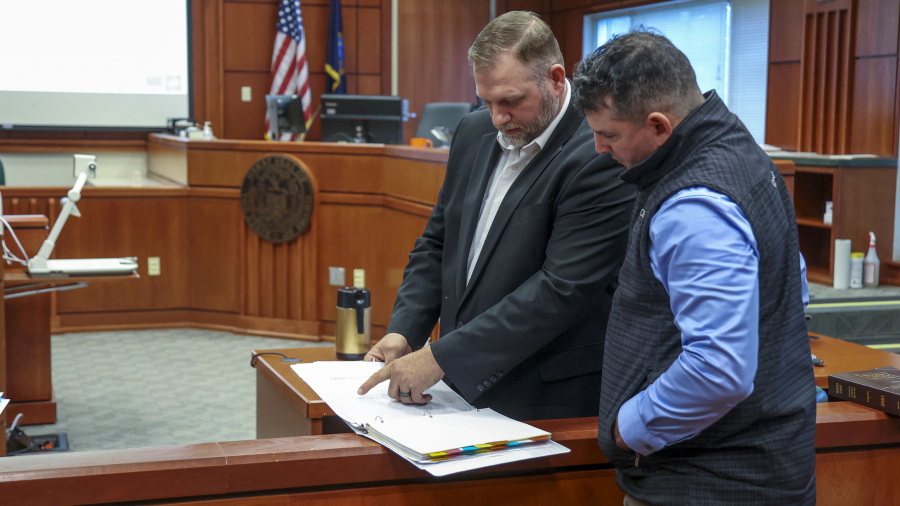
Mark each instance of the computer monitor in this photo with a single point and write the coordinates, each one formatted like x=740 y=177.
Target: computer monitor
x=362 y=119
x=285 y=115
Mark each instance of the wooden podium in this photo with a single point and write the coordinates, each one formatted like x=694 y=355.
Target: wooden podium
x=26 y=348
x=26 y=374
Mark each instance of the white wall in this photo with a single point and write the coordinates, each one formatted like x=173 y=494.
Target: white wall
x=55 y=169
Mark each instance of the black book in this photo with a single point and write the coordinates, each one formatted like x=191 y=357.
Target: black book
x=875 y=388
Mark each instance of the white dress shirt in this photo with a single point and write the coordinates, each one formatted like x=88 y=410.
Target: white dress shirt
x=511 y=163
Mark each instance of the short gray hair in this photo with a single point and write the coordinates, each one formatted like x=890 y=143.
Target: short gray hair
x=522 y=34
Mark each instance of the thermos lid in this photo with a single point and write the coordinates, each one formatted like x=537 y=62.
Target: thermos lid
x=352 y=297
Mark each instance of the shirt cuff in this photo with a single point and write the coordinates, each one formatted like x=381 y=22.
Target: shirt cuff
x=633 y=430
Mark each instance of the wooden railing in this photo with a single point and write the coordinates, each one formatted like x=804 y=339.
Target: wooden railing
x=857 y=453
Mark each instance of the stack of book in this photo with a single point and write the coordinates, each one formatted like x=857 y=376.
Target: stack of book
x=445 y=436
x=876 y=388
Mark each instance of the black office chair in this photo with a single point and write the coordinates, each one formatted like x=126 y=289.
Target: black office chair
x=439 y=121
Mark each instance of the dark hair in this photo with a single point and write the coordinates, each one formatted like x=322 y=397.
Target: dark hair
x=635 y=74
x=522 y=34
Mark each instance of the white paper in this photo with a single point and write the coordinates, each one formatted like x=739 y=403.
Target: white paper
x=336 y=383
x=456 y=430
x=480 y=460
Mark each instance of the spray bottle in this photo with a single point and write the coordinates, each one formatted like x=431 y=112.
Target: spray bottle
x=871 y=265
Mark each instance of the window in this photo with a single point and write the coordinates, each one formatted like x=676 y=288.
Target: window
x=727 y=42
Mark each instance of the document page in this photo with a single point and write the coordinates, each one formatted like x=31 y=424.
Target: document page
x=337 y=383
x=455 y=432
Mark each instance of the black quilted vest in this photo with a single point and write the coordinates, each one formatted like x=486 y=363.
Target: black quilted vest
x=762 y=451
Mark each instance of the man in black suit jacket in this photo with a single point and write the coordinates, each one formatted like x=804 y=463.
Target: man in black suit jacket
x=520 y=255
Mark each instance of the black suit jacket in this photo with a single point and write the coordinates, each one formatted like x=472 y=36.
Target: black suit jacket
x=525 y=335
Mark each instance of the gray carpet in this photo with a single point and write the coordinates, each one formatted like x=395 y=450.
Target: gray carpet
x=155 y=387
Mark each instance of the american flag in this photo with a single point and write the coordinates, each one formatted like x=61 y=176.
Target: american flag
x=290 y=71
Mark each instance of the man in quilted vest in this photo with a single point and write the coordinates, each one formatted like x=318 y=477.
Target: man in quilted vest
x=707 y=392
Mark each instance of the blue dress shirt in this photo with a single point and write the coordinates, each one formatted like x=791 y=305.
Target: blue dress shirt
x=711 y=278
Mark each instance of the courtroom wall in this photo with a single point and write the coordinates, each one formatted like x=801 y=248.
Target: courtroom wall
x=833 y=70
x=833 y=73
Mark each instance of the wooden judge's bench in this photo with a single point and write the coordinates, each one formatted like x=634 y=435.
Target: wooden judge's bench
x=217 y=273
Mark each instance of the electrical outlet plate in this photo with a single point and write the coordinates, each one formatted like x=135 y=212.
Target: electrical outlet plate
x=336 y=276
x=246 y=94
x=153 y=266
x=359 y=278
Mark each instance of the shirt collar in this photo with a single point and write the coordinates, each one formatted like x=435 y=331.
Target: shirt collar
x=541 y=140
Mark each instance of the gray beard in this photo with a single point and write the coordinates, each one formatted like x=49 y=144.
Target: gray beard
x=534 y=128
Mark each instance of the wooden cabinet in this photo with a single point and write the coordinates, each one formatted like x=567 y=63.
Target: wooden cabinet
x=862 y=192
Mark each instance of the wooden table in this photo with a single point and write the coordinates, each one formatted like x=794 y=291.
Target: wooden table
x=286 y=406
x=844 y=356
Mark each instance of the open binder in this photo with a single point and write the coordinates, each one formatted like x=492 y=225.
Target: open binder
x=434 y=439
x=445 y=436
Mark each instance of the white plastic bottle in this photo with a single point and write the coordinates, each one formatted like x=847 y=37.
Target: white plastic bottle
x=871 y=265
x=856 y=269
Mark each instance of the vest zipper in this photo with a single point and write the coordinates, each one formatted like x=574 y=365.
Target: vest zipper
x=637 y=459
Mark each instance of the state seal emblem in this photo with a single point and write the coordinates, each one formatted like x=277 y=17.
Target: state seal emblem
x=277 y=198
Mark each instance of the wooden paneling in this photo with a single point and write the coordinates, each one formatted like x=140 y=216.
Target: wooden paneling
x=397 y=242
x=562 y=5
x=28 y=349
x=857 y=467
x=236 y=36
x=213 y=249
x=151 y=227
x=877 y=27
x=25 y=351
x=345 y=469
x=2 y=345
x=339 y=469
x=862 y=195
x=826 y=83
x=216 y=273
x=315 y=23
x=366 y=58
x=568 y=28
x=207 y=64
x=350 y=20
x=783 y=106
x=434 y=40
x=365 y=85
x=274 y=278
x=352 y=236
x=52 y=145
x=785 y=20
x=283 y=289
x=245 y=120
x=873 y=125
x=249 y=34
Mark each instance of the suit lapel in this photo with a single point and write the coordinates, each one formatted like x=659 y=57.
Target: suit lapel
x=488 y=154
x=530 y=174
